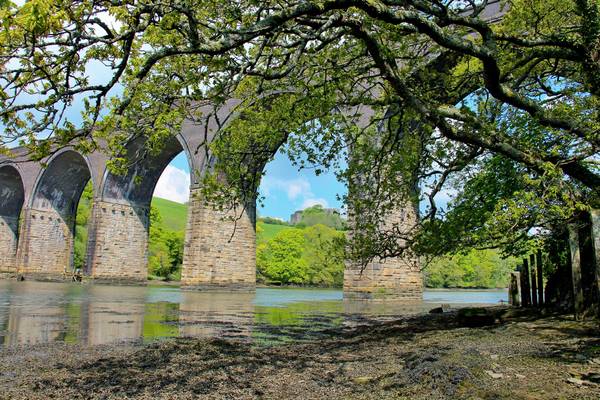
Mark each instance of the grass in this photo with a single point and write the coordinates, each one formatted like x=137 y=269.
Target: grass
x=270 y=230
x=173 y=215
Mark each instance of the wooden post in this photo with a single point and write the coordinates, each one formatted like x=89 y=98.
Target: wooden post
x=534 y=299
x=514 y=289
x=576 y=269
x=525 y=287
x=540 y=278
x=595 y=217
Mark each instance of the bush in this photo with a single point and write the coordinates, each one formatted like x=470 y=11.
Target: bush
x=311 y=256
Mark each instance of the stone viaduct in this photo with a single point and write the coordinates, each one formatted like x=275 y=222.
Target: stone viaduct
x=38 y=208
x=38 y=204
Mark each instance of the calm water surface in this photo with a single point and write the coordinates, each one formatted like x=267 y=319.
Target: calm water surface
x=42 y=312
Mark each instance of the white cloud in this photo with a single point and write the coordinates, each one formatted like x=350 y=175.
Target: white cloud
x=174 y=185
x=298 y=187
x=294 y=188
x=313 y=202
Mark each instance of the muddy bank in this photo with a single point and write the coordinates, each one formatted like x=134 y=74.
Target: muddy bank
x=518 y=356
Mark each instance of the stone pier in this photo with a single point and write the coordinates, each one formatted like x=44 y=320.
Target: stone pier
x=12 y=195
x=8 y=243
x=46 y=248
x=390 y=279
x=219 y=252
x=118 y=242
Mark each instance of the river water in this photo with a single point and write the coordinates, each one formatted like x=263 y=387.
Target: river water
x=43 y=312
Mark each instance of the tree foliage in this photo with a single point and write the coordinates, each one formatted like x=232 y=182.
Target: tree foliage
x=81 y=226
x=310 y=256
x=318 y=215
x=414 y=96
x=475 y=269
x=165 y=249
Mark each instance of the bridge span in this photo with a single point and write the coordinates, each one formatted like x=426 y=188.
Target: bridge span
x=38 y=205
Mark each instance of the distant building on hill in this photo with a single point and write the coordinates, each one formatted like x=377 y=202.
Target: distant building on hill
x=296 y=217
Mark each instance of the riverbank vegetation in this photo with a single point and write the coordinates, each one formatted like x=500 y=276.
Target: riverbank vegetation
x=312 y=255
x=475 y=269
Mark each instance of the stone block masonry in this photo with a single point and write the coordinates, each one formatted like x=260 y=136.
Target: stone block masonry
x=47 y=245
x=8 y=243
x=216 y=256
x=398 y=278
x=390 y=279
x=118 y=242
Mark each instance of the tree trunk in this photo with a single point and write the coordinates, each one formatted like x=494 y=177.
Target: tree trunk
x=514 y=289
x=578 y=299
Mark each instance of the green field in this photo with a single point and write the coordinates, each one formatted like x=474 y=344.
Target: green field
x=173 y=215
x=269 y=231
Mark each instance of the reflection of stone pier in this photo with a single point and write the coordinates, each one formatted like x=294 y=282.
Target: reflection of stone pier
x=216 y=314
x=43 y=324
x=108 y=319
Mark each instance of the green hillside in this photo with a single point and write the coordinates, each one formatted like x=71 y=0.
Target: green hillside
x=266 y=232
x=173 y=215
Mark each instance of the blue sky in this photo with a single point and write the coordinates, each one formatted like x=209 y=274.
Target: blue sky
x=285 y=189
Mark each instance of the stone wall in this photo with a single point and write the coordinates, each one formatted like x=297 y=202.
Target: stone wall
x=8 y=243
x=47 y=245
x=389 y=279
x=118 y=242
x=214 y=255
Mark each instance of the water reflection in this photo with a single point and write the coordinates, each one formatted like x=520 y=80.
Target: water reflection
x=42 y=312
x=216 y=314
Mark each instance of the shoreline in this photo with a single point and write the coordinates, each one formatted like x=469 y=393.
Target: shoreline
x=511 y=353
x=156 y=282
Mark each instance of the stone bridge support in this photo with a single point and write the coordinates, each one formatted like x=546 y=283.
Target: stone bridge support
x=220 y=247
x=12 y=194
x=118 y=241
x=46 y=248
x=9 y=227
x=398 y=278
x=48 y=219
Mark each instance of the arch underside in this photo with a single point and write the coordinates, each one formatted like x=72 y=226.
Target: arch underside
x=49 y=222
x=137 y=185
x=61 y=184
x=118 y=243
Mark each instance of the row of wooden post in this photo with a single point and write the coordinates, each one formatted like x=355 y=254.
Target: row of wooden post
x=574 y=239
x=527 y=285
x=524 y=285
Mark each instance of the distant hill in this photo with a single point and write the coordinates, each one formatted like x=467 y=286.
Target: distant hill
x=173 y=214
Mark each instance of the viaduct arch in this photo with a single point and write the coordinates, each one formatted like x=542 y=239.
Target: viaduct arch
x=37 y=208
x=45 y=199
